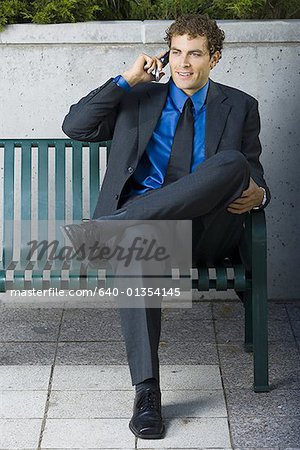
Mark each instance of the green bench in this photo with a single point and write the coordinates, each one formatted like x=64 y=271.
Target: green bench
x=42 y=197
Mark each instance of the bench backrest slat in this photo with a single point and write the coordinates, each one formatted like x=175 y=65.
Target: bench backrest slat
x=60 y=182
x=52 y=181
x=77 y=181
x=26 y=170
x=8 y=199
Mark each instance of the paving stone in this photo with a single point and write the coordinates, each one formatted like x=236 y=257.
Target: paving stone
x=105 y=377
x=236 y=367
x=189 y=377
x=191 y=433
x=280 y=376
x=188 y=329
x=277 y=312
x=117 y=377
x=195 y=403
x=252 y=431
x=84 y=433
x=91 y=353
x=296 y=328
x=9 y=301
x=283 y=377
x=233 y=353
x=24 y=377
x=85 y=404
x=90 y=404
x=18 y=353
x=27 y=324
x=198 y=311
x=230 y=311
x=20 y=434
x=294 y=311
x=118 y=404
x=285 y=352
x=241 y=378
x=22 y=404
x=257 y=448
x=231 y=331
x=274 y=403
x=91 y=325
x=187 y=352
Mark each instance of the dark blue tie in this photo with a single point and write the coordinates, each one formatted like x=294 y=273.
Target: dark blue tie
x=182 y=147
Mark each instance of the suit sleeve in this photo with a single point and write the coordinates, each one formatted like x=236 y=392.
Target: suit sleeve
x=93 y=118
x=251 y=148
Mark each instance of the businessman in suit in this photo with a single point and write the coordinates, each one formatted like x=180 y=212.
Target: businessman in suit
x=145 y=179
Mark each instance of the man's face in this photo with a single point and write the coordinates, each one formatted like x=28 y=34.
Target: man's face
x=190 y=62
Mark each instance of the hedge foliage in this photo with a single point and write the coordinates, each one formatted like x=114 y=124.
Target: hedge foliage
x=64 y=11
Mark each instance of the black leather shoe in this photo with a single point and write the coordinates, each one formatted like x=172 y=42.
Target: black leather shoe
x=146 y=422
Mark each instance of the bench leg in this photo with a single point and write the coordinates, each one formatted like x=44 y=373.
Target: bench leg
x=260 y=336
x=248 y=345
x=256 y=230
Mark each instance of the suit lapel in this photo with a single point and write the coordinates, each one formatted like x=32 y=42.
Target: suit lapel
x=149 y=112
x=216 y=115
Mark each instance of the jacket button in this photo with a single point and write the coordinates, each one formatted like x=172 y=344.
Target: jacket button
x=117 y=196
x=130 y=169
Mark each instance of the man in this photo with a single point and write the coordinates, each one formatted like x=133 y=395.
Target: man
x=214 y=184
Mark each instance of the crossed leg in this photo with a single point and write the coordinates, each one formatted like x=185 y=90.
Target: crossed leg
x=203 y=197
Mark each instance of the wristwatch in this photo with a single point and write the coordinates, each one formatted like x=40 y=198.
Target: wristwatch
x=263 y=200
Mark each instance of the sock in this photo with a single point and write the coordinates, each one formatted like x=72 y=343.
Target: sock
x=150 y=382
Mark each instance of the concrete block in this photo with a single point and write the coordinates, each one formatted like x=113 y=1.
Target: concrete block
x=24 y=377
x=20 y=434
x=95 y=32
x=192 y=433
x=101 y=377
x=188 y=377
x=85 y=433
x=22 y=404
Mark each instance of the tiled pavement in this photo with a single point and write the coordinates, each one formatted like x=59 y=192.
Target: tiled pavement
x=65 y=382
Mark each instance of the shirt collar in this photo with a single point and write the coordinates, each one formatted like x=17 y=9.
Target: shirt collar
x=179 y=97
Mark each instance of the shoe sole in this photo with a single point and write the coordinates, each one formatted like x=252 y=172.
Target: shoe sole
x=148 y=436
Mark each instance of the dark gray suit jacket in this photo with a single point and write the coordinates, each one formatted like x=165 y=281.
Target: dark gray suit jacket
x=129 y=119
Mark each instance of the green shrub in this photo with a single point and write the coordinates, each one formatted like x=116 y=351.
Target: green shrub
x=64 y=11
x=13 y=11
x=166 y=9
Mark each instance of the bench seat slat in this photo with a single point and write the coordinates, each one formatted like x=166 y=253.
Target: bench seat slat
x=221 y=278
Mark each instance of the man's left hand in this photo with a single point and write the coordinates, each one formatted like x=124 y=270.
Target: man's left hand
x=251 y=197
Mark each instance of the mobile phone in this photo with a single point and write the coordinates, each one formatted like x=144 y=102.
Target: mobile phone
x=165 y=60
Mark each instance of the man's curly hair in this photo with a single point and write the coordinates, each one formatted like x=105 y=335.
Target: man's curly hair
x=197 y=25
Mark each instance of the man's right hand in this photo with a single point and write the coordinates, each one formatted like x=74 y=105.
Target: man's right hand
x=141 y=70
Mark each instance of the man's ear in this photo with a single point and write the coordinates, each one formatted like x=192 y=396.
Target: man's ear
x=214 y=59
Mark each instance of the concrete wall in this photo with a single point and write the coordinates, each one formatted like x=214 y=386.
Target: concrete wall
x=46 y=68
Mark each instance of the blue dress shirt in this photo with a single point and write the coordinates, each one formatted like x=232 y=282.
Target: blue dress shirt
x=152 y=167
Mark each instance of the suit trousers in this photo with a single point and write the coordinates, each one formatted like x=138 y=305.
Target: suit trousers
x=204 y=197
